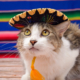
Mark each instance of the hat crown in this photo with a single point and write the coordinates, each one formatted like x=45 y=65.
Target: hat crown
x=46 y=15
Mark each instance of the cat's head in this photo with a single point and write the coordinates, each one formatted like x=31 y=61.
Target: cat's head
x=41 y=38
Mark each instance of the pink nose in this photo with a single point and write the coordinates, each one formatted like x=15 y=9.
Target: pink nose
x=33 y=42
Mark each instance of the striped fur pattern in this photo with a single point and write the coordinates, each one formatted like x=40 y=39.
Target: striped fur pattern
x=73 y=35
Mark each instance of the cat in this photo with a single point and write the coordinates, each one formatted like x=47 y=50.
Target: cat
x=56 y=49
x=73 y=35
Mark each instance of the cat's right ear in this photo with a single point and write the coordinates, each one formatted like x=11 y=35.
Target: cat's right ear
x=61 y=28
x=19 y=33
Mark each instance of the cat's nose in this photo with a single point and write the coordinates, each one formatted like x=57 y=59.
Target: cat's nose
x=33 y=42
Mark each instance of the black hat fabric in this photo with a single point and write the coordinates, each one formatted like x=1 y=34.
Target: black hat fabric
x=46 y=15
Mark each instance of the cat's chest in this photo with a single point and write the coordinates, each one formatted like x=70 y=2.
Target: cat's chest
x=49 y=68
x=56 y=64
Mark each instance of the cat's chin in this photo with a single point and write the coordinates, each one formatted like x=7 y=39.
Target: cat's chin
x=33 y=49
x=35 y=52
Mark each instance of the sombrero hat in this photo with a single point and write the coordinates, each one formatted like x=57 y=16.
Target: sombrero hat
x=46 y=15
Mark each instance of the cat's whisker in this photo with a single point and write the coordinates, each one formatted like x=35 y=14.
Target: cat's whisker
x=11 y=54
x=17 y=55
x=8 y=53
x=7 y=48
x=4 y=44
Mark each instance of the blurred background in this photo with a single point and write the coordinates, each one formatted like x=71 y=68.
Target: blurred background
x=10 y=8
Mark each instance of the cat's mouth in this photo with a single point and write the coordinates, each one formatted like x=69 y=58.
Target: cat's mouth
x=34 y=49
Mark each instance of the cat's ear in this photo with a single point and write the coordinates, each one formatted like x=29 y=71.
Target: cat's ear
x=62 y=27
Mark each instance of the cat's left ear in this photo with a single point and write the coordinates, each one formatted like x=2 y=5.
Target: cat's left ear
x=62 y=27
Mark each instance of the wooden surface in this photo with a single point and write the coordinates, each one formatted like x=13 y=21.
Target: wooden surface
x=11 y=69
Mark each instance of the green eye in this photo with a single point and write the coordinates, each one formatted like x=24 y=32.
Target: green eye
x=45 y=32
x=27 y=32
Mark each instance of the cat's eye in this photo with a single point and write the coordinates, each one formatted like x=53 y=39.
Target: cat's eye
x=45 y=32
x=27 y=32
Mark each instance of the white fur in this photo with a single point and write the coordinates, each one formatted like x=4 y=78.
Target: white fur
x=52 y=65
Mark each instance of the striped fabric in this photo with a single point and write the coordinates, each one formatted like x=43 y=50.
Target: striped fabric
x=10 y=8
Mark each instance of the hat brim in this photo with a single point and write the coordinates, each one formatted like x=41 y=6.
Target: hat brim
x=46 y=15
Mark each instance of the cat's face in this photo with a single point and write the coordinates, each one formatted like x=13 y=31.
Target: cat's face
x=39 y=39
